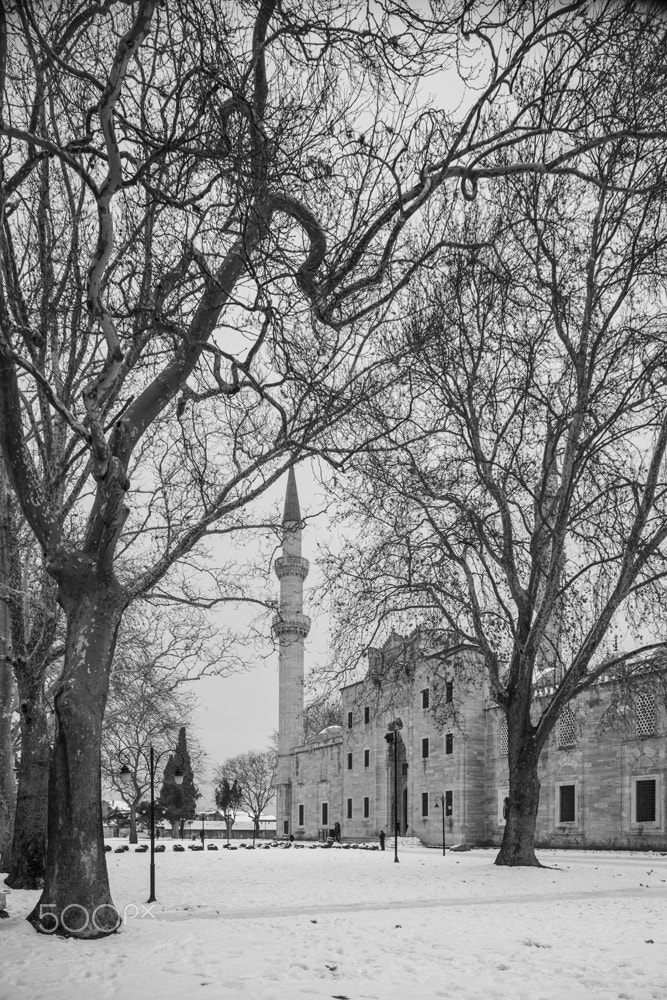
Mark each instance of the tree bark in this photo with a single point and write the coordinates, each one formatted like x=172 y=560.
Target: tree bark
x=518 y=845
x=175 y=829
x=76 y=900
x=7 y=782
x=29 y=845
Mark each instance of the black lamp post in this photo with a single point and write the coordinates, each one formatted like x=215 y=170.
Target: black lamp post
x=125 y=777
x=393 y=737
x=440 y=802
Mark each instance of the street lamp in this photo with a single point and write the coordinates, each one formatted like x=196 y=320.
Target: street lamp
x=392 y=737
x=125 y=777
x=440 y=803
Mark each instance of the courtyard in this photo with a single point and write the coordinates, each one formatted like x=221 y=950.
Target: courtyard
x=287 y=924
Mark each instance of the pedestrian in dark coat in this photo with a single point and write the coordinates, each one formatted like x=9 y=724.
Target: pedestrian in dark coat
x=382 y=840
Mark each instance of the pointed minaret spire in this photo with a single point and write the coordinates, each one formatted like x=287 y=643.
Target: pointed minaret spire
x=292 y=512
x=291 y=627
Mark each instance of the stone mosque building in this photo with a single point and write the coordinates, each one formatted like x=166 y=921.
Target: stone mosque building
x=600 y=786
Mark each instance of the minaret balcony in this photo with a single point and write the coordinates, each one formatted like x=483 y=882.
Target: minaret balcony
x=291 y=624
x=291 y=566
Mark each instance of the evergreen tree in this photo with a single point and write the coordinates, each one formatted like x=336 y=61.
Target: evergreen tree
x=228 y=799
x=178 y=802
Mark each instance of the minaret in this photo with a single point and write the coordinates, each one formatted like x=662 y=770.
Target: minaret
x=291 y=627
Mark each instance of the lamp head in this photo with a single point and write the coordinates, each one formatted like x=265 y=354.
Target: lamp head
x=178 y=776
x=125 y=776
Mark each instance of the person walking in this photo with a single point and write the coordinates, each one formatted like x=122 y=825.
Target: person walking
x=382 y=840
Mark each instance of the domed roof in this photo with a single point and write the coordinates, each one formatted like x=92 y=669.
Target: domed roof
x=330 y=731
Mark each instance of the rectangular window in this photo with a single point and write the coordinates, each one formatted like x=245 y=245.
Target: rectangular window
x=301 y=815
x=425 y=697
x=367 y=807
x=285 y=826
x=567 y=804
x=449 y=808
x=566 y=729
x=349 y=762
x=367 y=715
x=645 y=810
x=449 y=691
x=424 y=803
x=349 y=808
x=325 y=814
x=449 y=743
x=504 y=738
x=349 y=720
x=646 y=716
x=425 y=747
x=367 y=758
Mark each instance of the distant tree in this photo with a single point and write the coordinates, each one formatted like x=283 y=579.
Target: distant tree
x=178 y=802
x=255 y=774
x=319 y=715
x=228 y=797
x=146 y=707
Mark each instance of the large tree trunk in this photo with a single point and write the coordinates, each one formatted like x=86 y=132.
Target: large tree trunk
x=7 y=782
x=29 y=846
x=175 y=829
x=76 y=900
x=518 y=846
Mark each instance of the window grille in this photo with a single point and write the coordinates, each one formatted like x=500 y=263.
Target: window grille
x=425 y=747
x=449 y=807
x=367 y=715
x=425 y=698
x=349 y=762
x=301 y=815
x=424 y=803
x=449 y=743
x=349 y=808
x=645 y=801
x=367 y=758
x=645 y=715
x=349 y=720
x=504 y=741
x=367 y=807
x=325 y=814
x=566 y=729
x=449 y=691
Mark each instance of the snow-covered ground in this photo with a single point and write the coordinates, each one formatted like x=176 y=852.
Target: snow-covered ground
x=303 y=924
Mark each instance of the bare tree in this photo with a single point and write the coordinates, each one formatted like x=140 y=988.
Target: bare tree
x=204 y=211
x=34 y=650
x=324 y=711
x=146 y=707
x=254 y=773
x=519 y=514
